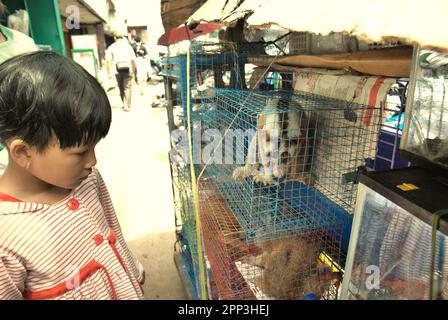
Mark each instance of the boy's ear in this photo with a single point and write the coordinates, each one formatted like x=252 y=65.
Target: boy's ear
x=20 y=152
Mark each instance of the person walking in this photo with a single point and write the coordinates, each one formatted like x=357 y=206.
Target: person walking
x=142 y=64
x=121 y=61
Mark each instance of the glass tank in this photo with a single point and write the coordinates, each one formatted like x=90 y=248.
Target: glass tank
x=391 y=254
x=426 y=126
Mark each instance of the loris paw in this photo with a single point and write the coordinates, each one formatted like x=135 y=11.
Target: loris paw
x=305 y=178
x=239 y=173
x=309 y=180
x=254 y=260
x=264 y=179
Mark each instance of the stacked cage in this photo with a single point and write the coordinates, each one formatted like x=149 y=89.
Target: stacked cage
x=186 y=223
x=175 y=69
x=277 y=178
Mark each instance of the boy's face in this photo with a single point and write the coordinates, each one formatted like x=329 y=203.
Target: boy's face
x=64 y=168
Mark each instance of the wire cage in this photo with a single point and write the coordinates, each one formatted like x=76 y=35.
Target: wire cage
x=287 y=268
x=175 y=69
x=300 y=199
x=186 y=232
x=426 y=129
x=277 y=173
x=310 y=165
x=184 y=206
x=188 y=267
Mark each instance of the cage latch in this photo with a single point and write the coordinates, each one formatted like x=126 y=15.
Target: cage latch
x=353 y=176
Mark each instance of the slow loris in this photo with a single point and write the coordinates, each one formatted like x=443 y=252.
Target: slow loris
x=281 y=148
x=290 y=269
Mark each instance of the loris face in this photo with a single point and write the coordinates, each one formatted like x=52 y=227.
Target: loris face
x=268 y=142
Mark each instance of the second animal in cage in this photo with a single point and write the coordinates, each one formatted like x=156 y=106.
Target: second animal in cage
x=282 y=146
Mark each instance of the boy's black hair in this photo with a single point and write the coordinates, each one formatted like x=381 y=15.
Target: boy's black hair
x=43 y=94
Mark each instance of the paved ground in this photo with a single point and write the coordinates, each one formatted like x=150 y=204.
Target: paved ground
x=133 y=160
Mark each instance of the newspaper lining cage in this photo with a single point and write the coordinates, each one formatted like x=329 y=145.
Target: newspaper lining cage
x=426 y=126
x=390 y=254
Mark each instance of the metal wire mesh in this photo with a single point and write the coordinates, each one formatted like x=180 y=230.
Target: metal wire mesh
x=191 y=266
x=184 y=206
x=300 y=43
x=398 y=244
x=308 y=203
x=287 y=268
x=277 y=172
x=337 y=138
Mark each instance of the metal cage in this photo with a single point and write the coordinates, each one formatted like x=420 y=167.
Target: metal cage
x=248 y=208
x=277 y=172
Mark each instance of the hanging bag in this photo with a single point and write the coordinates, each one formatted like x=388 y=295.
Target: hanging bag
x=122 y=67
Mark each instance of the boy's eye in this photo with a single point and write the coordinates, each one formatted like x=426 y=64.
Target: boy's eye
x=82 y=153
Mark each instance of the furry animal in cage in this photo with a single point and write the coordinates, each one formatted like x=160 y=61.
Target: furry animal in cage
x=281 y=148
x=290 y=269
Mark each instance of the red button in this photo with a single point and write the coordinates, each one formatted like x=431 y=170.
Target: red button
x=98 y=239
x=73 y=204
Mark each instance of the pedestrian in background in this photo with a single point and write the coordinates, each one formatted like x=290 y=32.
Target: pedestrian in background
x=142 y=64
x=13 y=42
x=121 y=61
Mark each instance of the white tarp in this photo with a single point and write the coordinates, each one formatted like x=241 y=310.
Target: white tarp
x=346 y=140
x=418 y=21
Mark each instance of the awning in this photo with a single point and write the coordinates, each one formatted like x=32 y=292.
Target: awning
x=184 y=33
x=86 y=13
x=390 y=62
x=413 y=21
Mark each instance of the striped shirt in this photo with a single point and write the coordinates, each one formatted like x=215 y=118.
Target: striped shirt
x=73 y=249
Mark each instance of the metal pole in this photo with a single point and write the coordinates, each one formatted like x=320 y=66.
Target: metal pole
x=169 y=106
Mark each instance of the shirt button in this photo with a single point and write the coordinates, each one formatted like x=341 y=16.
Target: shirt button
x=73 y=204
x=98 y=239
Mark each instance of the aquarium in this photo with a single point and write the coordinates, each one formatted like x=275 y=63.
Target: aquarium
x=425 y=135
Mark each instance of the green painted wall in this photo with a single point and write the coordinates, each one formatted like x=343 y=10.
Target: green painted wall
x=45 y=21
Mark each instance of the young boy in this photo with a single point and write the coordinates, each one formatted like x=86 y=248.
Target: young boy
x=59 y=235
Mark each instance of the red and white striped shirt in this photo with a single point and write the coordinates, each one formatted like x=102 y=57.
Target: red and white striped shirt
x=73 y=249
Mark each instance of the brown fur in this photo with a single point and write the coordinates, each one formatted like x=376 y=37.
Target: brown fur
x=297 y=155
x=290 y=270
